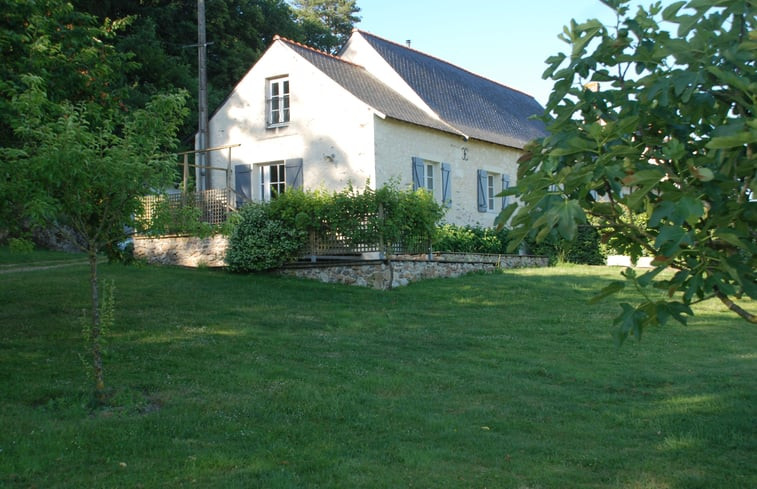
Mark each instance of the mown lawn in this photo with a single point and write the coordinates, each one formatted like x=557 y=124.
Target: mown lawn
x=508 y=380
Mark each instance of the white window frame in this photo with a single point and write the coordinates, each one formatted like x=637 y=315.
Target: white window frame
x=429 y=177
x=278 y=110
x=491 y=191
x=267 y=186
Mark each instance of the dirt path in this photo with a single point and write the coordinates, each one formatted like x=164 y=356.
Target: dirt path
x=34 y=266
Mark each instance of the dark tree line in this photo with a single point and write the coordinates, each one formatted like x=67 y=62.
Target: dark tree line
x=132 y=50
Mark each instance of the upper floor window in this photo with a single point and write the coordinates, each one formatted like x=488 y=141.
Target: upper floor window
x=277 y=102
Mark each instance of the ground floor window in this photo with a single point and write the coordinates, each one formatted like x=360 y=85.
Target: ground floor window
x=272 y=179
x=266 y=180
x=434 y=177
x=490 y=186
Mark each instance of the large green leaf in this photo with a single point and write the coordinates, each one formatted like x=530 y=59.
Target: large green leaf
x=630 y=321
x=569 y=215
x=610 y=289
x=734 y=140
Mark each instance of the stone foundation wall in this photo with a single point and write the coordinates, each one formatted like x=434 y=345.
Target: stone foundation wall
x=185 y=251
x=379 y=274
x=401 y=271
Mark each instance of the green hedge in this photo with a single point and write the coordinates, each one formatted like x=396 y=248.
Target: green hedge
x=466 y=239
x=267 y=235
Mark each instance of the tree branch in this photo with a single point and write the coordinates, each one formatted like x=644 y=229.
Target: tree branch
x=735 y=308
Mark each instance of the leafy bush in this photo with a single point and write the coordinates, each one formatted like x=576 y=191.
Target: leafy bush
x=20 y=245
x=262 y=241
x=387 y=215
x=466 y=239
x=584 y=250
x=265 y=236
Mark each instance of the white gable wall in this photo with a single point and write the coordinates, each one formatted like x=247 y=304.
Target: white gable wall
x=330 y=129
x=359 y=51
x=397 y=143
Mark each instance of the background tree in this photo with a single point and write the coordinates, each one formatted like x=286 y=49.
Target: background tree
x=74 y=54
x=659 y=151
x=162 y=35
x=88 y=166
x=326 y=24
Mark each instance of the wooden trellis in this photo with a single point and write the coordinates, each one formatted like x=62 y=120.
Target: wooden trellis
x=214 y=204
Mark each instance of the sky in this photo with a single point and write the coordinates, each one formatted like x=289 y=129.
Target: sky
x=504 y=40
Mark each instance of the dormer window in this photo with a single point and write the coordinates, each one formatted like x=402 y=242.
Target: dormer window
x=277 y=101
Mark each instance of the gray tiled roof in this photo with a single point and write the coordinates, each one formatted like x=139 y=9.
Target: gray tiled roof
x=478 y=107
x=366 y=87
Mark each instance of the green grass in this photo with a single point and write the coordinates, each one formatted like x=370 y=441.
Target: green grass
x=503 y=381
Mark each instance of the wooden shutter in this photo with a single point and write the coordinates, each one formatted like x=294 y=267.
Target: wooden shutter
x=505 y=186
x=482 y=191
x=243 y=184
x=446 y=185
x=294 y=173
x=417 y=173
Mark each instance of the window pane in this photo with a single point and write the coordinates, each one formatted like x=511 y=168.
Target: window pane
x=490 y=184
x=285 y=112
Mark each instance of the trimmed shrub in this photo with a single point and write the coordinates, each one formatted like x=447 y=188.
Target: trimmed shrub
x=261 y=241
x=466 y=239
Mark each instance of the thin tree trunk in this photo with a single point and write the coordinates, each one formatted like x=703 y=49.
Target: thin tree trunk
x=94 y=332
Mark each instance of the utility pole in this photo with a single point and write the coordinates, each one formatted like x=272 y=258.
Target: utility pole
x=204 y=182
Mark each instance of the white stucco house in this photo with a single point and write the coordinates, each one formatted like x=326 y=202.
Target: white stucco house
x=377 y=112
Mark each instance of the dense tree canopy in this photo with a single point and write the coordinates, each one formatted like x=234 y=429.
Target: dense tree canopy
x=162 y=35
x=652 y=137
x=124 y=52
x=326 y=24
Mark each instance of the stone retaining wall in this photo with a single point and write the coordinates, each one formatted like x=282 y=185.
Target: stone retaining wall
x=185 y=251
x=378 y=274
x=400 y=271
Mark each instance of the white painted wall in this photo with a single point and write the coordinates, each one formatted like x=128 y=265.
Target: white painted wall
x=329 y=128
x=397 y=142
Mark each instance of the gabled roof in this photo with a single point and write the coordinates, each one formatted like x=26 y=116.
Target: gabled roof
x=366 y=87
x=478 y=107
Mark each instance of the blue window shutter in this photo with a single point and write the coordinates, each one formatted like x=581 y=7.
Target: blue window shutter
x=417 y=173
x=243 y=184
x=294 y=173
x=446 y=185
x=482 y=197
x=505 y=186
